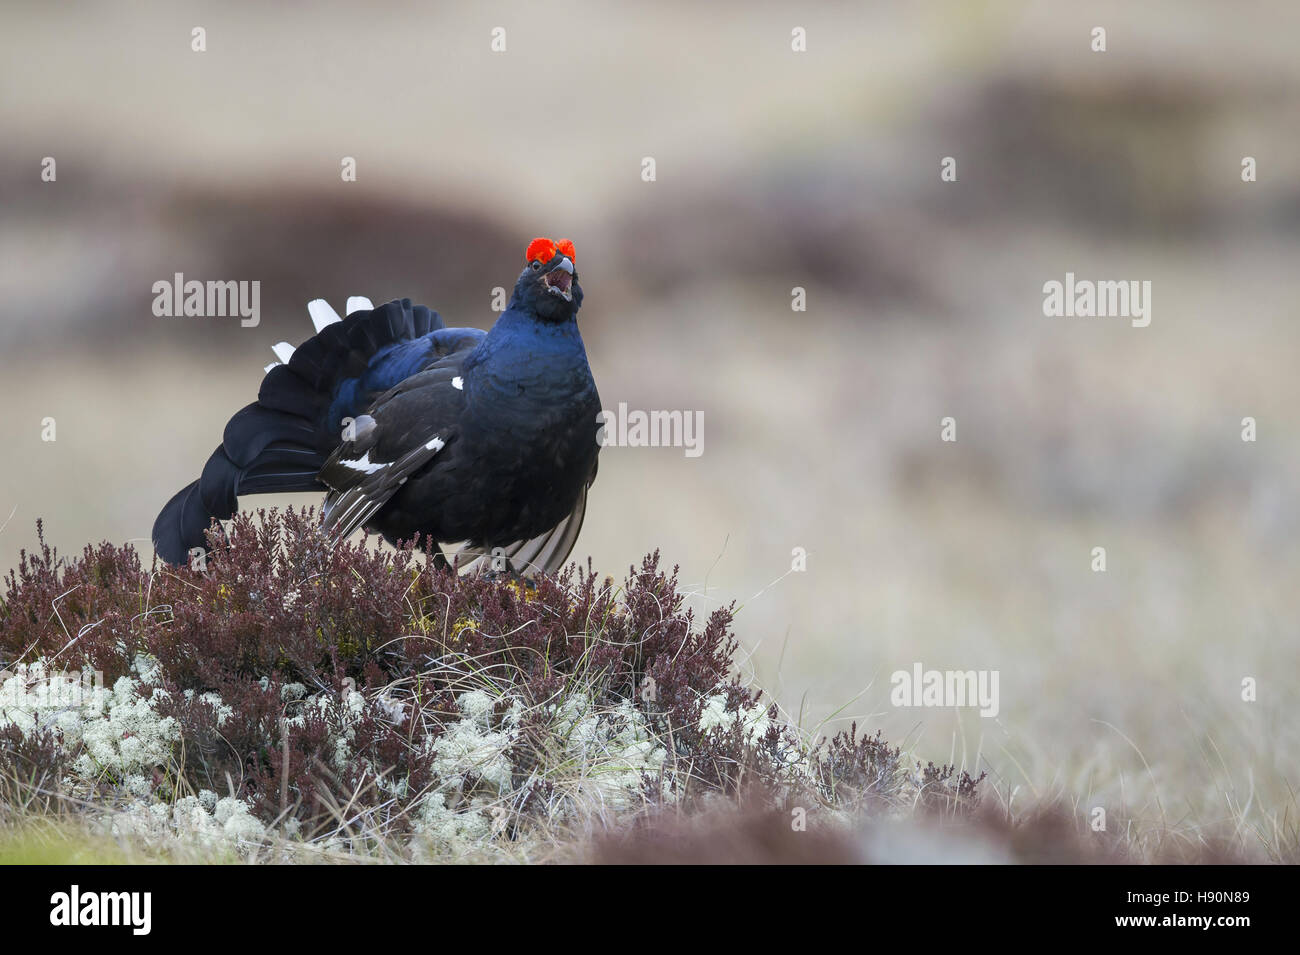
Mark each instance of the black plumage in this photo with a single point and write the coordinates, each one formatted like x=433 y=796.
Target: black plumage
x=482 y=440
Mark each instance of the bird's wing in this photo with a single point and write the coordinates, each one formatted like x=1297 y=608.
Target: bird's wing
x=360 y=487
x=401 y=432
x=543 y=554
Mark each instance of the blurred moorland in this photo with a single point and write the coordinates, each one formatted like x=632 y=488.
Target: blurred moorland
x=774 y=170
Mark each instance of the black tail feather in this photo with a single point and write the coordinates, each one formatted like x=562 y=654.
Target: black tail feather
x=280 y=442
x=255 y=428
x=180 y=525
x=219 y=486
x=343 y=349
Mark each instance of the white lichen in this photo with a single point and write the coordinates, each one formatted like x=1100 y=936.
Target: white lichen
x=753 y=720
x=471 y=745
x=587 y=757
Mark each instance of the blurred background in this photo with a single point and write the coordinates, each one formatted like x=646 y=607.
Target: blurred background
x=774 y=169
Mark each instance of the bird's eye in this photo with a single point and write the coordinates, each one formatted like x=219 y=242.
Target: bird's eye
x=536 y=265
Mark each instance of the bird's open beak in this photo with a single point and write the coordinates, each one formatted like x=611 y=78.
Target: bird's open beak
x=560 y=279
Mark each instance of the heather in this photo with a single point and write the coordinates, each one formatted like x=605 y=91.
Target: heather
x=352 y=701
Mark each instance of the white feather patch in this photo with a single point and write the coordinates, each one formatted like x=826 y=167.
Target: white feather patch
x=283 y=351
x=458 y=383
x=358 y=303
x=436 y=444
x=321 y=313
x=364 y=463
x=274 y=364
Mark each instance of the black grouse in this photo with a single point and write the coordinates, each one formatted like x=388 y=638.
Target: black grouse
x=485 y=440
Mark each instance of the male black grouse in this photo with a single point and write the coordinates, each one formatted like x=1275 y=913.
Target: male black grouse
x=483 y=439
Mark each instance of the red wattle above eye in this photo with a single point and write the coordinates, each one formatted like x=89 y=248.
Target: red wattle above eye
x=540 y=250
